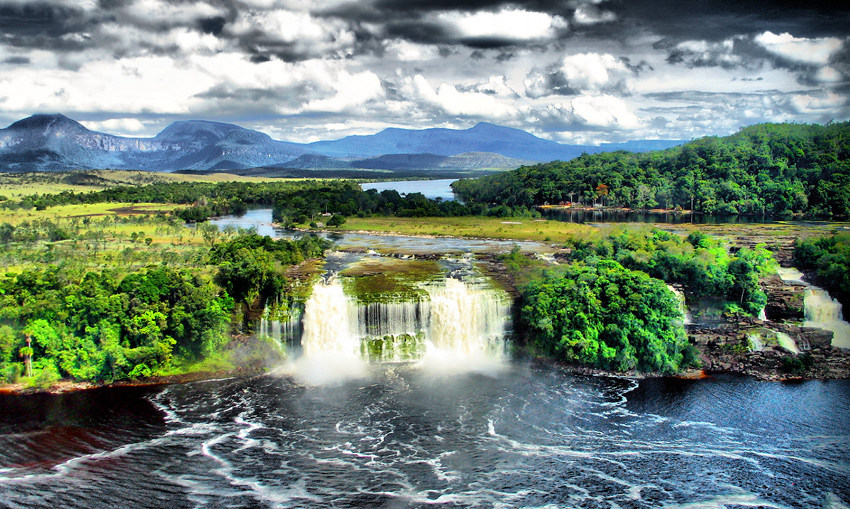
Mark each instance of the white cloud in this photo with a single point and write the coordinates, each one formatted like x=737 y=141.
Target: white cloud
x=593 y=71
x=302 y=31
x=828 y=75
x=704 y=53
x=117 y=126
x=158 y=11
x=411 y=51
x=132 y=85
x=604 y=111
x=588 y=72
x=512 y=24
x=454 y=102
x=800 y=49
x=808 y=104
x=136 y=41
x=85 y=5
x=591 y=15
x=352 y=90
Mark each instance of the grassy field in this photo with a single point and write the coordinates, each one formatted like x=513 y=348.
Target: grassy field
x=17 y=185
x=68 y=212
x=469 y=226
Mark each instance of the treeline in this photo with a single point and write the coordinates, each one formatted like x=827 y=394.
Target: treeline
x=826 y=262
x=107 y=325
x=776 y=170
x=294 y=202
x=345 y=198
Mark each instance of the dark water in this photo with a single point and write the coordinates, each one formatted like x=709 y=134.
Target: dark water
x=525 y=437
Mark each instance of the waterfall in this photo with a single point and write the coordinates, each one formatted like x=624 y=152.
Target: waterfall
x=819 y=309
x=787 y=342
x=824 y=312
x=756 y=344
x=327 y=321
x=467 y=320
x=450 y=320
x=683 y=306
x=280 y=330
x=790 y=275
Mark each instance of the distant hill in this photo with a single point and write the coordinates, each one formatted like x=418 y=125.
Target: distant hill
x=57 y=143
x=484 y=137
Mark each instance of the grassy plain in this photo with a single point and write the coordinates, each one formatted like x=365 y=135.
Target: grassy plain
x=17 y=185
x=522 y=228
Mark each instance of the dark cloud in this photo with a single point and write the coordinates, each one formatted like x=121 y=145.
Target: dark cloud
x=40 y=25
x=214 y=25
x=17 y=61
x=549 y=82
x=717 y=20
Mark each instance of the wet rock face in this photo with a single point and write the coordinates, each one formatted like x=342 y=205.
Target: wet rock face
x=725 y=347
x=784 y=300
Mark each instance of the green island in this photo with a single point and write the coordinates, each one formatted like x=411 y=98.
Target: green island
x=119 y=276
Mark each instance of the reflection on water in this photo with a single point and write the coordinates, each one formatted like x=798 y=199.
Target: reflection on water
x=529 y=436
x=433 y=189
x=261 y=219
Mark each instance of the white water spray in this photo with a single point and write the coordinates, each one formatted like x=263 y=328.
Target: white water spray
x=453 y=326
x=330 y=350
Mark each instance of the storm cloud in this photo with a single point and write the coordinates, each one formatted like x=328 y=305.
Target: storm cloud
x=581 y=71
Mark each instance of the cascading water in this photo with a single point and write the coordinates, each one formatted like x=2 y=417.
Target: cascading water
x=683 y=306
x=756 y=343
x=824 y=312
x=787 y=342
x=450 y=322
x=819 y=309
x=466 y=320
x=327 y=322
x=280 y=328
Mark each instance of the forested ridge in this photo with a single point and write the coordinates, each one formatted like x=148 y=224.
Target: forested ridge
x=776 y=170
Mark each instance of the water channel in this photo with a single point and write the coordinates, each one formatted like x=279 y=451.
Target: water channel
x=414 y=401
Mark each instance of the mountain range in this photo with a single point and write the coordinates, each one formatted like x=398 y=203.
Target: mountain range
x=57 y=143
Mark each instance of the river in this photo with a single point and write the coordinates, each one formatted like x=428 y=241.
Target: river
x=406 y=435
x=261 y=220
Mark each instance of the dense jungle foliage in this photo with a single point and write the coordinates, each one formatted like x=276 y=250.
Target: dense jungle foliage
x=603 y=315
x=110 y=324
x=700 y=264
x=775 y=170
x=826 y=262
